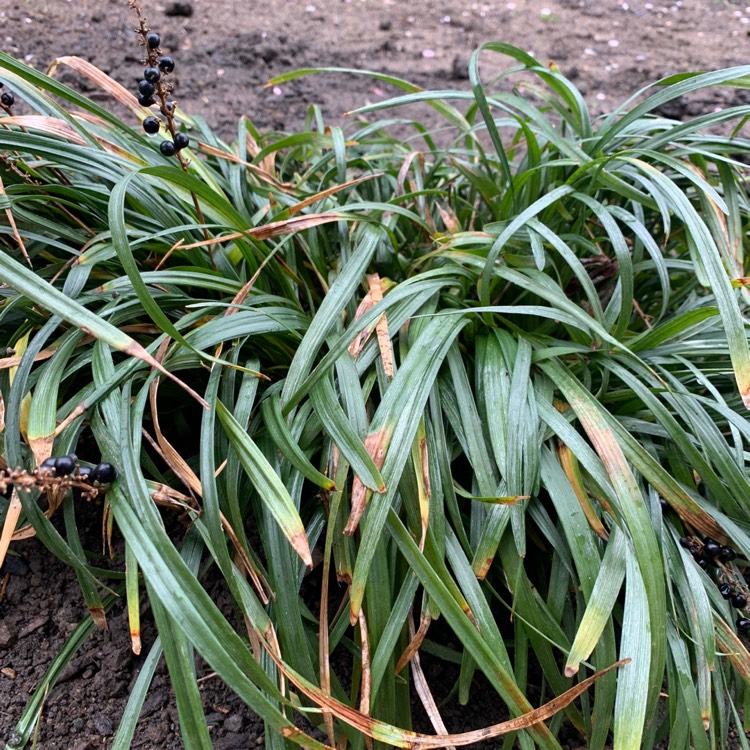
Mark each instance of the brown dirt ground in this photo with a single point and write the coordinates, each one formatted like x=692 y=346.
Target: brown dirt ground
x=226 y=50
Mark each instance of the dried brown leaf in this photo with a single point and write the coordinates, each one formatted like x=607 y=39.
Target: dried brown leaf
x=422 y=687
x=376 y=444
x=408 y=739
x=570 y=468
x=9 y=525
x=415 y=644
x=100 y=79
x=260 y=172
x=297 y=207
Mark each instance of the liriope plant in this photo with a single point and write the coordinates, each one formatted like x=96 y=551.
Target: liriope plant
x=499 y=384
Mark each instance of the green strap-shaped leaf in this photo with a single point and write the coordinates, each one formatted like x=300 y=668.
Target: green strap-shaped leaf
x=692 y=713
x=178 y=590
x=635 y=513
x=519 y=221
x=270 y=489
x=282 y=436
x=448 y=111
x=180 y=658
x=126 y=730
x=327 y=315
x=214 y=533
x=487 y=657
x=116 y=214
x=600 y=602
x=395 y=425
x=726 y=296
x=618 y=120
x=584 y=549
x=32 y=286
x=43 y=409
x=336 y=423
x=633 y=680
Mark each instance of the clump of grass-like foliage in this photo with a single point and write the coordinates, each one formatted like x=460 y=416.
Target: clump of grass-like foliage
x=493 y=383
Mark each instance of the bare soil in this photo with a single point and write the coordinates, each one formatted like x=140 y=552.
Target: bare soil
x=226 y=50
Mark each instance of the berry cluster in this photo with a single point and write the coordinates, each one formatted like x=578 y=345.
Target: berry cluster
x=57 y=474
x=155 y=84
x=62 y=466
x=708 y=552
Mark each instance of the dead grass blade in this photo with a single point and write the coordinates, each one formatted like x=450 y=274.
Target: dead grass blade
x=570 y=467
x=62 y=130
x=391 y=735
x=733 y=648
x=375 y=444
x=272 y=230
x=411 y=651
x=268 y=162
x=11 y=519
x=260 y=172
x=297 y=207
x=100 y=79
x=381 y=328
x=173 y=459
x=366 y=683
x=422 y=687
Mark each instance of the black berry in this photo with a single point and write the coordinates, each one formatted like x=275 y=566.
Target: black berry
x=84 y=474
x=167 y=148
x=739 y=601
x=49 y=464
x=151 y=125
x=743 y=624
x=181 y=141
x=153 y=41
x=65 y=465
x=166 y=64
x=685 y=542
x=146 y=88
x=727 y=554
x=725 y=590
x=168 y=108
x=103 y=473
x=702 y=562
x=711 y=548
x=145 y=101
x=8 y=99
x=152 y=75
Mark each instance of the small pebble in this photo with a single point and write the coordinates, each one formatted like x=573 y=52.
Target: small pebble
x=182 y=8
x=104 y=726
x=233 y=723
x=8 y=636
